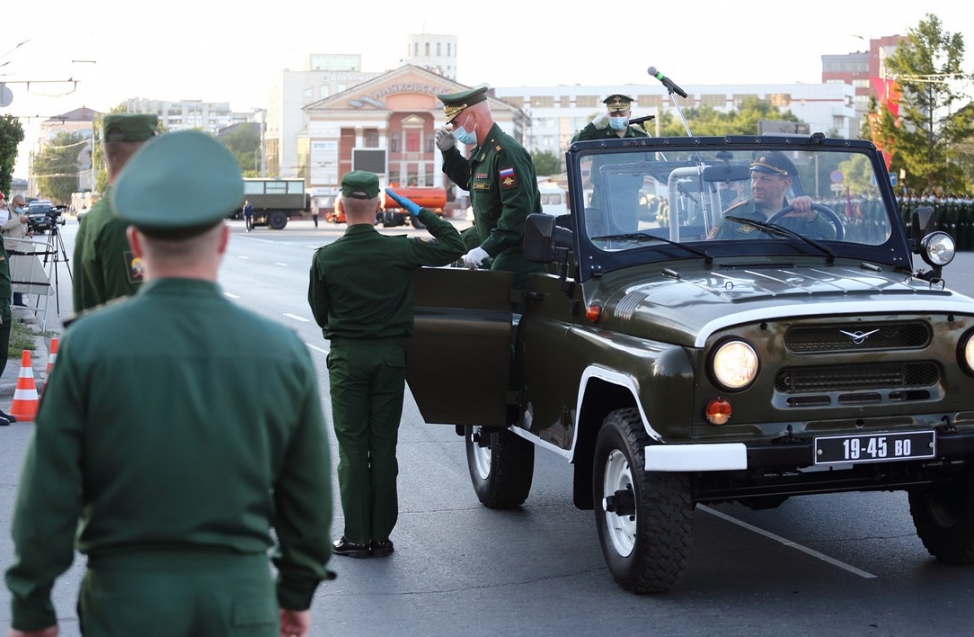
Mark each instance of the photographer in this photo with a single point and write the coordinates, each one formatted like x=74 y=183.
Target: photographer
x=17 y=227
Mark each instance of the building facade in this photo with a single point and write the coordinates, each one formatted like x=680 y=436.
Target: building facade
x=187 y=114
x=866 y=71
x=79 y=122
x=435 y=53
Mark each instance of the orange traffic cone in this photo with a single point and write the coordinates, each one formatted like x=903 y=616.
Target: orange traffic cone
x=24 y=406
x=51 y=357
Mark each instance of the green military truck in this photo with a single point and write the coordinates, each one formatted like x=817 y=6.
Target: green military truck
x=275 y=201
x=679 y=360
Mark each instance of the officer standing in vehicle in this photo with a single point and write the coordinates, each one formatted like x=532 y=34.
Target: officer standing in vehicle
x=105 y=266
x=500 y=177
x=361 y=294
x=614 y=122
x=170 y=442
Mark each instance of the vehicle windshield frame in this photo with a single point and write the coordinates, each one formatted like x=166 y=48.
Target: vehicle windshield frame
x=891 y=250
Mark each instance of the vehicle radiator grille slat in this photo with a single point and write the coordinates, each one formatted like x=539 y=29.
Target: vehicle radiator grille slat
x=795 y=380
x=857 y=337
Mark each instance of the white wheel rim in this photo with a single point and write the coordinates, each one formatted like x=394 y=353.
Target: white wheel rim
x=620 y=528
x=481 y=458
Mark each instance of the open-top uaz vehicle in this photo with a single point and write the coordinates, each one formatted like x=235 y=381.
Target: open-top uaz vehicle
x=672 y=368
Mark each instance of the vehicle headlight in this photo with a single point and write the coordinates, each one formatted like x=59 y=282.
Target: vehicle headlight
x=966 y=353
x=937 y=249
x=734 y=365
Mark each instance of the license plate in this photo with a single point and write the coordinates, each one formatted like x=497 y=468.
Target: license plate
x=875 y=447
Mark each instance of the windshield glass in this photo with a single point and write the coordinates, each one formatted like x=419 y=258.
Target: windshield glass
x=708 y=196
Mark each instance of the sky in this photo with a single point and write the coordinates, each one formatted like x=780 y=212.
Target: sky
x=219 y=51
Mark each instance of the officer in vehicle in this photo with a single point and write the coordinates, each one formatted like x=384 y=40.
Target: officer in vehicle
x=614 y=122
x=772 y=174
x=500 y=177
x=105 y=266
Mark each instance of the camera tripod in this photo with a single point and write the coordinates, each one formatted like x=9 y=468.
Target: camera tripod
x=55 y=253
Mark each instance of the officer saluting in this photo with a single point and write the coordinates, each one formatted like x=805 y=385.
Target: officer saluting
x=501 y=178
x=170 y=440
x=612 y=123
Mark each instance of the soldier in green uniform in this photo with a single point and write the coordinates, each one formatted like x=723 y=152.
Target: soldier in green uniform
x=168 y=460
x=771 y=177
x=501 y=178
x=361 y=294
x=622 y=204
x=105 y=267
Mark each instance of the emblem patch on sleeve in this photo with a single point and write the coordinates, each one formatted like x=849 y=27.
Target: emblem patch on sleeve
x=134 y=266
x=508 y=177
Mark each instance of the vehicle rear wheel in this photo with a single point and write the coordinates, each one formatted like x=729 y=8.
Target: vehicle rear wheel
x=943 y=515
x=644 y=520
x=501 y=466
x=277 y=220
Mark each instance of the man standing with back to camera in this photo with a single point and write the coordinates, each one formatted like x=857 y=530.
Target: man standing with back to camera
x=168 y=460
x=361 y=294
x=500 y=177
x=105 y=266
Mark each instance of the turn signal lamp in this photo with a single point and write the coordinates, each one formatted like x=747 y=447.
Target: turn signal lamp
x=593 y=313
x=718 y=411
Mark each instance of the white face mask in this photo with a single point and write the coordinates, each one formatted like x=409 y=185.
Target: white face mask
x=461 y=135
x=618 y=123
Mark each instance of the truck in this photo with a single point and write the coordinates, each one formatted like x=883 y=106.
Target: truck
x=276 y=201
x=673 y=363
x=433 y=198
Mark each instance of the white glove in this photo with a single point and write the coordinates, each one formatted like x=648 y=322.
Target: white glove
x=601 y=121
x=444 y=139
x=474 y=258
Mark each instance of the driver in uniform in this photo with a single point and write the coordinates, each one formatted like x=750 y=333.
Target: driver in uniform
x=771 y=177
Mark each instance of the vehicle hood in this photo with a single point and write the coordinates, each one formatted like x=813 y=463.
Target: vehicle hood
x=687 y=305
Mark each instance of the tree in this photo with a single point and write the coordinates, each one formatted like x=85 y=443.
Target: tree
x=925 y=140
x=56 y=166
x=706 y=120
x=546 y=162
x=244 y=142
x=11 y=134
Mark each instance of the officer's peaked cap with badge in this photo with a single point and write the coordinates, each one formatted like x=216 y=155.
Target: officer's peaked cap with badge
x=774 y=163
x=178 y=185
x=454 y=103
x=618 y=102
x=130 y=127
x=360 y=184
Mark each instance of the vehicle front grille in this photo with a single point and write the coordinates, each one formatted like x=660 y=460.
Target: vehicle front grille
x=857 y=337
x=846 y=378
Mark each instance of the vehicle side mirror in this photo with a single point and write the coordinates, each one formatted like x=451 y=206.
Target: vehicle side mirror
x=544 y=241
x=922 y=223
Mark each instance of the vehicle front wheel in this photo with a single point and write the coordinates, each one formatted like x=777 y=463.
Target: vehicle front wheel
x=277 y=220
x=644 y=520
x=943 y=515
x=501 y=466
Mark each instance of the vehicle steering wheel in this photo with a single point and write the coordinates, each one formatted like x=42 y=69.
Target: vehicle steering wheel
x=819 y=208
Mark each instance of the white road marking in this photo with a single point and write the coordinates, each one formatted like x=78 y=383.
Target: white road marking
x=788 y=543
x=317 y=349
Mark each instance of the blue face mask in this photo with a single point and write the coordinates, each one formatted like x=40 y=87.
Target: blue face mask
x=461 y=135
x=618 y=123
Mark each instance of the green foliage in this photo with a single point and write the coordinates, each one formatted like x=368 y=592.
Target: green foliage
x=546 y=162
x=56 y=166
x=705 y=120
x=857 y=175
x=932 y=122
x=11 y=134
x=244 y=142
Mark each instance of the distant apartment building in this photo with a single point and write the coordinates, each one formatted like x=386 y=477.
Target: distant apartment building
x=188 y=114
x=435 y=53
x=78 y=122
x=864 y=70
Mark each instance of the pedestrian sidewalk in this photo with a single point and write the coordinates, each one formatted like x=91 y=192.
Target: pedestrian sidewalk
x=38 y=357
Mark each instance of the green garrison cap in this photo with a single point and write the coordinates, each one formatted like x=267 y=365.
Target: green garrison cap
x=618 y=102
x=130 y=127
x=774 y=163
x=360 y=184
x=454 y=103
x=178 y=184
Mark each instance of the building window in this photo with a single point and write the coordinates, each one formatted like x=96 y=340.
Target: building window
x=780 y=99
x=394 y=143
x=448 y=49
x=371 y=137
x=427 y=49
x=587 y=101
x=430 y=144
x=412 y=141
x=542 y=101
x=415 y=49
x=715 y=100
x=439 y=52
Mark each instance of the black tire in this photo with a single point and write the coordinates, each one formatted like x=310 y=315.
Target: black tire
x=277 y=220
x=502 y=469
x=644 y=520
x=943 y=515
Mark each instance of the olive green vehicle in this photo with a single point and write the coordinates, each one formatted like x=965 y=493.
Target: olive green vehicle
x=673 y=369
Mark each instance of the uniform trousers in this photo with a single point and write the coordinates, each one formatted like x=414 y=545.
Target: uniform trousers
x=6 y=318
x=367 y=381
x=178 y=594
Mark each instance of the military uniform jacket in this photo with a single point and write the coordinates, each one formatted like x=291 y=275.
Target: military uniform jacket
x=361 y=286
x=818 y=228
x=591 y=132
x=5 y=287
x=202 y=432
x=105 y=266
x=503 y=189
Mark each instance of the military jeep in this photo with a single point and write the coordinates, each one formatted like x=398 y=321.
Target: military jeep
x=674 y=361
